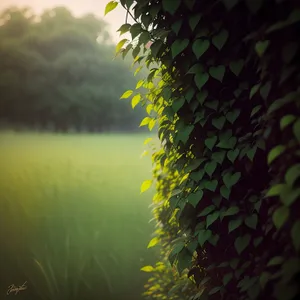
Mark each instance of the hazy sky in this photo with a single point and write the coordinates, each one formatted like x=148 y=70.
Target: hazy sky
x=78 y=7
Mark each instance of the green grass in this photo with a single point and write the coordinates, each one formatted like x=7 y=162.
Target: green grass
x=72 y=221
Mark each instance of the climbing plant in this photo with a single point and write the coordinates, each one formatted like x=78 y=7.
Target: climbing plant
x=223 y=90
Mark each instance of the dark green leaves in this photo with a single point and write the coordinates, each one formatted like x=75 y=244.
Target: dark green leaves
x=230 y=179
x=194 y=198
x=210 y=167
x=236 y=66
x=261 y=47
x=280 y=216
x=242 y=242
x=178 y=46
x=234 y=224
x=217 y=72
x=171 y=6
x=201 y=79
x=200 y=47
x=210 y=142
x=203 y=236
x=220 y=39
x=251 y=221
x=194 y=20
x=219 y=122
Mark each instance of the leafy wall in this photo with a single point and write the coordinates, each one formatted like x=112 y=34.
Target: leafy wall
x=223 y=91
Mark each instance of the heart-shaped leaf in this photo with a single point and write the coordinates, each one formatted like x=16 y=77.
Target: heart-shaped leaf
x=211 y=185
x=218 y=156
x=236 y=66
x=210 y=219
x=220 y=39
x=251 y=221
x=231 y=116
x=261 y=47
x=233 y=154
x=234 y=224
x=219 y=122
x=200 y=47
x=177 y=26
x=231 y=179
x=225 y=192
x=210 y=142
x=171 y=6
x=201 y=79
x=213 y=104
x=194 y=198
x=203 y=236
x=177 y=104
x=210 y=167
x=178 y=46
x=227 y=143
x=242 y=242
x=194 y=20
x=217 y=72
x=201 y=96
x=280 y=216
x=207 y=210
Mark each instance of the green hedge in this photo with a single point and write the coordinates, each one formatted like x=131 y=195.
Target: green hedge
x=225 y=98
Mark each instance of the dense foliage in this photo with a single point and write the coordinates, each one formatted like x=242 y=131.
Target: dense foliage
x=57 y=72
x=226 y=103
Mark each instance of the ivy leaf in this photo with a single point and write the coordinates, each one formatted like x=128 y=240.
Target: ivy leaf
x=275 y=152
x=231 y=211
x=286 y=121
x=184 y=134
x=127 y=94
x=231 y=179
x=177 y=26
x=197 y=176
x=210 y=219
x=153 y=242
x=234 y=224
x=194 y=20
x=295 y=234
x=210 y=167
x=135 y=30
x=178 y=46
x=171 y=6
x=146 y=185
x=257 y=241
x=177 y=104
x=233 y=115
x=210 y=142
x=200 y=47
x=201 y=79
x=194 y=198
x=207 y=210
x=227 y=277
x=242 y=242
x=233 y=154
x=220 y=39
x=251 y=152
x=218 y=156
x=236 y=66
x=254 y=90
x=201 y=96
x=251 y=221
x=211 y=185
x=110 y=6
x=214 y=239
x=155 y=47
x=203 y=236
x=197 y=68
x=227 y=143
x=280 y=216
x=219 y=122
x=261 y=47
x=225 y=192
x=213 y=104
x=217 y=72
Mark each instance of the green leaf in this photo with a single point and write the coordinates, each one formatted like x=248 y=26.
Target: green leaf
x=225 y=192
x=242 y=242
x=201 y=96
x=135 y=30
x=265 y=90
x=257 y=241
x=278 y=103
x=124 y=28
x=178 y=46
x=200 y=47
x=147 y=269
x=177 y=104
x=292 y=174
x=207 y=210
x=211 y=185
x=236 y=67
x=296 y=130
x=227 y=143
x=127 y=94
x=280 y=216
x=195 y=164
x=212 y=104
x=251 y=152
x=210 y=219
x=210 y=168
x=219 y=122
x=145 y=121
x=151 y=124
x=286 y=121
x=210 y=142
x=226 y=278
x=197 y=176
x=171 y=6
x=146 y=185
x=217 y=72
x=275 y=190
x=233 y=154
x=153 y=242
x=214 y=239
x=261 y=47
x=203 y=236
x=231 y=211
x=275 y=152
x=218 y=156
x=177 y=26
x=254 y=90
x=120 y=45
x=136 y=100
x=220 y=39
x=254 y=5
x=295 y=234
x=197 y=68
x=251 y=221
x=110 y=6
x=184 y=134
x=231 y=179
x=194 y=20
x=201 y=79
x=155 y=47
x=255 y=110
x=233 y=115
x=234 y=224
x=277 y=260
x=194 y=198
x=264 y=278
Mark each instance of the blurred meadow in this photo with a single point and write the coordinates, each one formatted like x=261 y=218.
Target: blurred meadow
x=73 y=223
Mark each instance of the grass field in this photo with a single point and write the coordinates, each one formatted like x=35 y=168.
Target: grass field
x=72 y=221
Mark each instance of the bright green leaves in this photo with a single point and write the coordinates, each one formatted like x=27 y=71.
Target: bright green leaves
x=194 y=198
x=217 y=72
x=153 y=242
x=147 y=269
x=178 y=46
x=146 y=185
x=145 y=121
x=171 y=6
x=220 y=39
x=204 y=236
x=200 y=47
x=236 y=66
x=194 y=20
x=136 y=100
x=286 y=121
x=242 y=242
x=280 y=216
x=275 y=152
x=120 y=45
x=261 y=47
x=110 y=6
x=201 y=79
x=126 y=94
